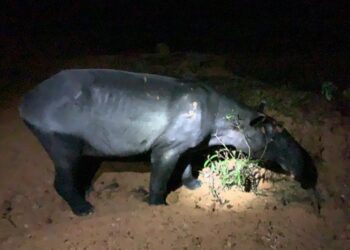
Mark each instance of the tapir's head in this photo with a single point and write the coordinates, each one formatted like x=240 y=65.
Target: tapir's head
x=282 y=149
x=260 y=136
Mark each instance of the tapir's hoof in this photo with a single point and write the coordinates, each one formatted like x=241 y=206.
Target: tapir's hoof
x=156 y=200
x=83 y=209
x=192 y=184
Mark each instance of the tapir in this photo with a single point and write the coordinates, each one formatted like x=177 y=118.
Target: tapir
x=81 y=115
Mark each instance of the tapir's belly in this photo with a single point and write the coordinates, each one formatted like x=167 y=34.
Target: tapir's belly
x=124 y=136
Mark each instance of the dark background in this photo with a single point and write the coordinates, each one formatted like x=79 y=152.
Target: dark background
x=317 y=31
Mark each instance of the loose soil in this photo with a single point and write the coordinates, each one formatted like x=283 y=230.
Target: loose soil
x=283 y=216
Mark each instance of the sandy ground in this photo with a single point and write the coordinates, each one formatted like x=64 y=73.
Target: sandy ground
x=35 y=217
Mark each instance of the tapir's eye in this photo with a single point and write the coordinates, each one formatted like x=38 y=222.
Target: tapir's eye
x=279 y=129
x=257 y=121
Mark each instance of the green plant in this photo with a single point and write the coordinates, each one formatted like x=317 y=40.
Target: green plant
x=328 y=89
x=233 y=116
x=233 y=168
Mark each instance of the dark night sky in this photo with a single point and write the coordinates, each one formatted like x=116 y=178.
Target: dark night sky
x=219 y=26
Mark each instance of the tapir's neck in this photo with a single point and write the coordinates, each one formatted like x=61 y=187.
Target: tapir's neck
x=230 y=120
x=227 y=111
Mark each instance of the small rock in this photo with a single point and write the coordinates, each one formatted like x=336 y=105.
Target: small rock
x=197 y=241
x=49 y=220
x=212 y=207
x=343 y=198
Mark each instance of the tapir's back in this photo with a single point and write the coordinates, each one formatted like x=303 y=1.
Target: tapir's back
x=105 y=104
x=91 y=90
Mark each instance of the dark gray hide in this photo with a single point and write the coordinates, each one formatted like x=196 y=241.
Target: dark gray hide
x=78 y=115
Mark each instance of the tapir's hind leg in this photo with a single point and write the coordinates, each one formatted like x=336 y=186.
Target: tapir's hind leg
x=65 y=152
x=188 y=180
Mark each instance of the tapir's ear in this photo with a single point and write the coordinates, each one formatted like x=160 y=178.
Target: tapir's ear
x=261 y=107
x=257 y=120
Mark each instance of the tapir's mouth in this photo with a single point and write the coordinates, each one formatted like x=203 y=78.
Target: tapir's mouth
x=276 y=167
x=306 y=179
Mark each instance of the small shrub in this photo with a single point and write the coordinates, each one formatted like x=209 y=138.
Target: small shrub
x=234 y=169
x=328 y=89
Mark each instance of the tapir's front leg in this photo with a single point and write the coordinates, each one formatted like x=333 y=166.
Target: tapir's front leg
x=163 y=163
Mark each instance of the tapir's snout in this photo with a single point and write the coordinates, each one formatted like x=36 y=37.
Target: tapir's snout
x=308 y=176
x=284 y=150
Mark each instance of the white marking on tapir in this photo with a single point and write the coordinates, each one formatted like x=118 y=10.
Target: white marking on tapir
x=192 y=113
x=77 y=95
x=167 y=155
x=195 y=104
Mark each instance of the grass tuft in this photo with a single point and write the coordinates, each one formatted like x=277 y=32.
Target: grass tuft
x=234 y=169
